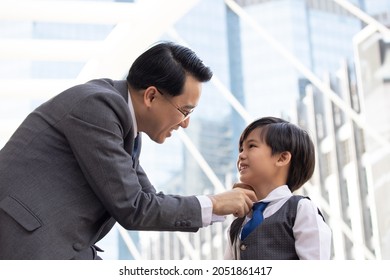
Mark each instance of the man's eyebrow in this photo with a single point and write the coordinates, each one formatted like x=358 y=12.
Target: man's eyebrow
x=188 y=107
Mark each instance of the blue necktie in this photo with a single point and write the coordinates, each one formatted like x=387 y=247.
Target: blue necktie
x=257 y=218
x=136 y=147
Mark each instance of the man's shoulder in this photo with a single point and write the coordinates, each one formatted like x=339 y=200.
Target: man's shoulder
x=96 y=87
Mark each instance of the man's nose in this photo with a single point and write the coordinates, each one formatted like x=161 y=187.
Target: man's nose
x=185 y=122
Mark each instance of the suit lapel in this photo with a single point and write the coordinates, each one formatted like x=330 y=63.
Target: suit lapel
x=121 y=87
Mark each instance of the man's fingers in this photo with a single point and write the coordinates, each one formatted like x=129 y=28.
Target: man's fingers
x=246 y=206
x=249 y=197
x=250 y=194
x=237 y=202
x=242 y=186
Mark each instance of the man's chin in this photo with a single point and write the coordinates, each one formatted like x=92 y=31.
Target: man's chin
x=161 y=139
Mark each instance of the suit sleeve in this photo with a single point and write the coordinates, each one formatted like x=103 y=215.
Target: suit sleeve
x=96 y=129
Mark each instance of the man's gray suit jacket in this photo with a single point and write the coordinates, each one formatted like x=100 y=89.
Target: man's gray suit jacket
x=67 y=175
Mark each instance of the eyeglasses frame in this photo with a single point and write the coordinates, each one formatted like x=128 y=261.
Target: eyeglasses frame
x=186 y=114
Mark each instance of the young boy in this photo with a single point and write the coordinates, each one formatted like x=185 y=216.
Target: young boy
x=276 y=158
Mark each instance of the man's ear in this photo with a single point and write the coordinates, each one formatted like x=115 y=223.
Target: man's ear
x=149 y=96
x=284 y=158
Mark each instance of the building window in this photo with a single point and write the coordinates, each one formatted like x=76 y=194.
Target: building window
x=345 y=152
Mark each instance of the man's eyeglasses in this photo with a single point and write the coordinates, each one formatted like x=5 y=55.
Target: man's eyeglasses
x=185 y=113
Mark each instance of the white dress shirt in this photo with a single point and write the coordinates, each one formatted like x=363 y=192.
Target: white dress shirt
x=312 y=235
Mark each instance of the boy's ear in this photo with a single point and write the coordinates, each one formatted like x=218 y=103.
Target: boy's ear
x=284 y=158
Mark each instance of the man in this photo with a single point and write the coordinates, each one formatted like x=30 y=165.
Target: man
x=71 y=169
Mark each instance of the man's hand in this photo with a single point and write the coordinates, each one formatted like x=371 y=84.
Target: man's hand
x=238 y=202
x=243 y=186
